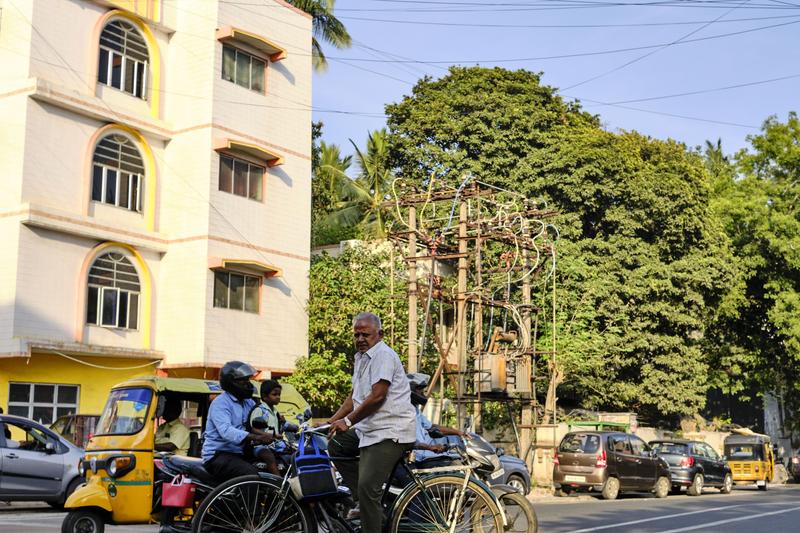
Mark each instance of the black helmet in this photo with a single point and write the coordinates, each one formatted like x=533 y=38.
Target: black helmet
x=233 y=371
x=415 y=381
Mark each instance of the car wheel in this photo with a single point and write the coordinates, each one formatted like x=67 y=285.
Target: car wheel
x=696 y=488
x=610 y=489
x=563 y=492
x=83 y=521
x=727 y=484
x=662 y=487
x=518 y=483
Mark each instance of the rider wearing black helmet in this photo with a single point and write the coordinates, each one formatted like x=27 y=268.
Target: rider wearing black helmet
x=227 y=444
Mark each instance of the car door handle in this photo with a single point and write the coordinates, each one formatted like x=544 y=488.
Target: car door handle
x=12 y=456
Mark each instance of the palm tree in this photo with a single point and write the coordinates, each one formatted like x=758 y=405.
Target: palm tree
x=362 y=198
x=325 y=27
x=330 y=173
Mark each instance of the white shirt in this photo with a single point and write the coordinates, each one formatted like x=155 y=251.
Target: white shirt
x=395 y=419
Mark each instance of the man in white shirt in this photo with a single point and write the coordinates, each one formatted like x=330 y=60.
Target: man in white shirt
x=377 y=420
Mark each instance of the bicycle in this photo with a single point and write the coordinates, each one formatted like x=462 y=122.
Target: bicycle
x=438 y=500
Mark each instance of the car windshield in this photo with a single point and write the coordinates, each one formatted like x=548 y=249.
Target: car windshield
x=675 y=448
x=580 y=443
x=125 y=412
x=743 y=452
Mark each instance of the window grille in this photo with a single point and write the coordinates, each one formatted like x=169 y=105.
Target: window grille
x=123 y=58
x=113 y=293
x=117 y=173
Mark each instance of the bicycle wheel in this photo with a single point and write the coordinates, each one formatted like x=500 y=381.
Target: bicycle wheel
x=251 y=504
x=520 y=514
x=442 y=503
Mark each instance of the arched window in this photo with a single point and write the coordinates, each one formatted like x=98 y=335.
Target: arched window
x=117 y=172
x=123 y=58
x=113 y=297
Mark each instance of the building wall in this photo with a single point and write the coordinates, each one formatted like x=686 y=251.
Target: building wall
x=53 y=112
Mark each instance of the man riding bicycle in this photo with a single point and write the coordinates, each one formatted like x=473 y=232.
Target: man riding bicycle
x=376 y=421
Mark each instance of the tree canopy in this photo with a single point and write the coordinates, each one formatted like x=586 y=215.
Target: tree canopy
x=644 y=268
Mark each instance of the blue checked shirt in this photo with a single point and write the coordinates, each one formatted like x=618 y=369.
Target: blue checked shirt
x=225 y=427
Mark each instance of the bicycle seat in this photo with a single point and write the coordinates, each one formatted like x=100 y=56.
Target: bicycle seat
x=191 y=466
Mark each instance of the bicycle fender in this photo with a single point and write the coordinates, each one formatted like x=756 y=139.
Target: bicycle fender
x=501 y=490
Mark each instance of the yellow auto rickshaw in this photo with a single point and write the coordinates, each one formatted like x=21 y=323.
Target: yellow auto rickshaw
x=119 y=462
x=751 y=458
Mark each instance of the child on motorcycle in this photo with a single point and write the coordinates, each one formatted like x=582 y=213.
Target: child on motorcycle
x=267 y=409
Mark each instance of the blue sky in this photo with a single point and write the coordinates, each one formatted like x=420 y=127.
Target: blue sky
x=683 y=48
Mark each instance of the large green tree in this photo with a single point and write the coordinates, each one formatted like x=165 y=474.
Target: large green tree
x=760 y=208
x=341 y=287
x=644 y=269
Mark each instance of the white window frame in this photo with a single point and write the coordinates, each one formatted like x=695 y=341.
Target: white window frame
x=100 y=299
x=134 y=204
x=126 y=60
x=31 y=404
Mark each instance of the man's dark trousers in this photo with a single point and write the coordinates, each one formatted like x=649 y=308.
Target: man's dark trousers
x=365 y=477
x=226 y=465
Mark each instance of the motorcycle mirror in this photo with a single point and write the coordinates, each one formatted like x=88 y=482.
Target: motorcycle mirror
x=160 y=406
x=500 y=451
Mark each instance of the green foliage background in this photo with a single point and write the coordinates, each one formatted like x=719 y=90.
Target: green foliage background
x=678 y=269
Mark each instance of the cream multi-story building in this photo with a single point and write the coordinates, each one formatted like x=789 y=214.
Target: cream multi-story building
x=154 y=193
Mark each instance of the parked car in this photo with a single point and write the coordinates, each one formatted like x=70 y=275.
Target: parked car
x=36 y=463
x=609 y=462
x=77 y=429
x=694 y=465
x=794 y=465
x=514 y=472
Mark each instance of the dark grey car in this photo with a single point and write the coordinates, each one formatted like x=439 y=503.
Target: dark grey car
x=515 y=472
x=36 y=464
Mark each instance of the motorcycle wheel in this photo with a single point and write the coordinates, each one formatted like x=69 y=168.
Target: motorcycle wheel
x=520 y=513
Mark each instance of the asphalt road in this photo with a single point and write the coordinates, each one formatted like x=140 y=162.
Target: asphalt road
x=744 y=510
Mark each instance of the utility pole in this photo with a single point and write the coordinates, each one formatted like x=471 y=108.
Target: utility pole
x=461 y=308
x=525 y=372
x=413 y=364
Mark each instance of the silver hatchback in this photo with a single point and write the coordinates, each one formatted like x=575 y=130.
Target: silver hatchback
x=36 y=464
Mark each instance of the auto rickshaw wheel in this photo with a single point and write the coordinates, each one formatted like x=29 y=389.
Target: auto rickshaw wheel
x=83 y=521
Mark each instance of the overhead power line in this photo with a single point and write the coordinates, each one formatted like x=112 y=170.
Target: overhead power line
x=651 y=52
x=563 y=26
x=566 y=56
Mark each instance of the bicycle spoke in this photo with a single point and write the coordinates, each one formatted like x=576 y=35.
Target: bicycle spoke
x=251 y=507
